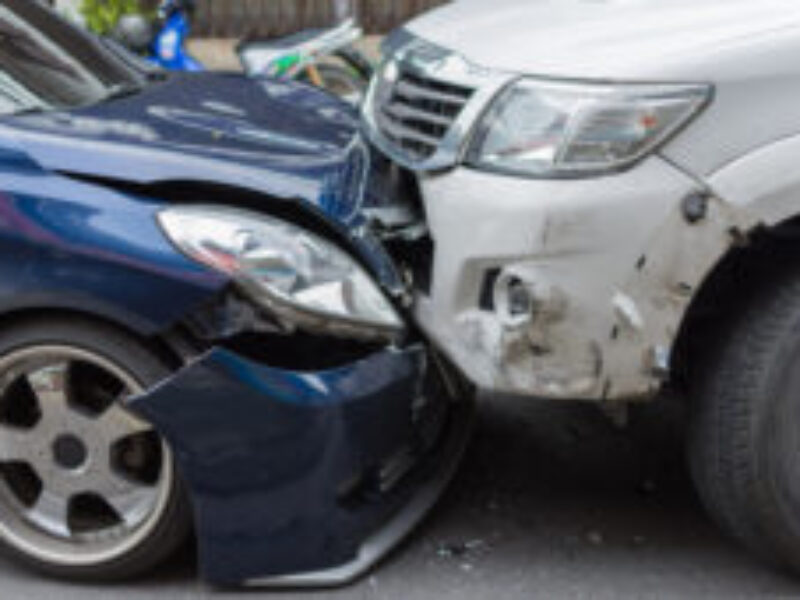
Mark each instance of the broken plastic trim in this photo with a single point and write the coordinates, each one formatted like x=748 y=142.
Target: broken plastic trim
x=239 y=325
x=300 y=351
x=377 y=546
x=295 y=317
x=265 y=451
x=233 y=314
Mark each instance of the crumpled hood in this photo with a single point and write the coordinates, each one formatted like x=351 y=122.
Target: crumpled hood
x=278 y=138
x=605 y=39
x=281 y=139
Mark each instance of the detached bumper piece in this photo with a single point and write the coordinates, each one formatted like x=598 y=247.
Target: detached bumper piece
x=307 y=479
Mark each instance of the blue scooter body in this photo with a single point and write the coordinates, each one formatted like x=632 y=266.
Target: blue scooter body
x=168 y=49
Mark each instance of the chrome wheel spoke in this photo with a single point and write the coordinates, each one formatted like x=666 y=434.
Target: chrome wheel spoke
x=51 y=513
x=116 y=424
x=50 y=386
x=15 y=444
x=130 y=500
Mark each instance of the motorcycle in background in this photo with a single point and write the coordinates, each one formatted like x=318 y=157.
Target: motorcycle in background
x=326 y=58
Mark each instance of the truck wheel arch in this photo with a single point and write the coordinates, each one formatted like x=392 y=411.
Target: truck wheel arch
x=761 y=193
x=750 y=211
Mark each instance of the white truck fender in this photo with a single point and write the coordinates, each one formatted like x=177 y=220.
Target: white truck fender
x=763 y=186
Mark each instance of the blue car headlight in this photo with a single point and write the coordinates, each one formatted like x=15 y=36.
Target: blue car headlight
x=300 y=277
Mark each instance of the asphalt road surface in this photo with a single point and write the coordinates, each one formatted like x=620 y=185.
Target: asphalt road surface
x=552 y=502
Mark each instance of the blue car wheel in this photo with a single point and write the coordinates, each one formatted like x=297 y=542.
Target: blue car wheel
x=87 y=489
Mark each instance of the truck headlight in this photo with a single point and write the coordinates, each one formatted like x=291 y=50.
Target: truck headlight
x=549 y=129
x=297 y=275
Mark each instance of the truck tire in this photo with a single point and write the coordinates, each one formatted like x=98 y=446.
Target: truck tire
x=744 y=438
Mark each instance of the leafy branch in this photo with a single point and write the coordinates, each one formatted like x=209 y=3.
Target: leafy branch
x=103 y=15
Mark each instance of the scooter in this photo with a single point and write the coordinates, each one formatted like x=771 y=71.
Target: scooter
x=168 y=47
x=324 y=58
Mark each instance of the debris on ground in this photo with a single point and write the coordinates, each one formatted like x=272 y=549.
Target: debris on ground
x=459 y=549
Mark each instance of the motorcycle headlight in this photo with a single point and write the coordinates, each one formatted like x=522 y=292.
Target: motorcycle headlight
x=295 y=274
x=548 y=129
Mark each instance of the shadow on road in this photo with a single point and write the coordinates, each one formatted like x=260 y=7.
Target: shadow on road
x=553 y=497
x=552 y=501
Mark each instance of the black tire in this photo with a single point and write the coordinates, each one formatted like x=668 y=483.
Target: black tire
x=146 y=367
x=744 y=440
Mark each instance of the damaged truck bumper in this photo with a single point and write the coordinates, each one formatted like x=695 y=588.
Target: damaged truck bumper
x=570 y=289
x=308 y=478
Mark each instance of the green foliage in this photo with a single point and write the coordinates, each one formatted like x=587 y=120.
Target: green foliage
x=102 y=15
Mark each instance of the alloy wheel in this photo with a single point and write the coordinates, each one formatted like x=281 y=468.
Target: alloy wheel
x=82 y=479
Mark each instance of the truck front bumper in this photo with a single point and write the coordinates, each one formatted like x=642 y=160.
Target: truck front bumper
x=564 y=288
x=308 y=479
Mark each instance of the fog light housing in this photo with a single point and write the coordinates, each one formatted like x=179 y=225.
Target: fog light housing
x=513 y=299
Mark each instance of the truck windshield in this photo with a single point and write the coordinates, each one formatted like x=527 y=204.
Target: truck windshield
x=46 y=63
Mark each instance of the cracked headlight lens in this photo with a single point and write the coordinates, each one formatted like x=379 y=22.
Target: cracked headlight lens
x=294 y=273
x=549 y=129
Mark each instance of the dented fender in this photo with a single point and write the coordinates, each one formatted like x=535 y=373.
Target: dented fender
x=762 y=186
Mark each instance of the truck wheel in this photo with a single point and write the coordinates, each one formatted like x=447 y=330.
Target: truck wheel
x=88 y=490
x=744 y=440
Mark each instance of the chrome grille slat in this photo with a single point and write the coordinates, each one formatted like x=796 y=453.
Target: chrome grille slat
x=417 y=111
x=399 y=131
x=411 y=90
x=401 y=110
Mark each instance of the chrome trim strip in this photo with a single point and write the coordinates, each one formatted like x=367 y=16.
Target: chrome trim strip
x=411 y=134
x=408 y=88
x=405 y=111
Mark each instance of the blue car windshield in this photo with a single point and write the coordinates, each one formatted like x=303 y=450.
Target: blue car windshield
x=46 y=63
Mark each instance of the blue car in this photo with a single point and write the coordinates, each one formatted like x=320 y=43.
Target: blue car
x=203 y=300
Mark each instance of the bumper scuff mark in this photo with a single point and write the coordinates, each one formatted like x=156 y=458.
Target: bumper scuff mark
x=610 y=271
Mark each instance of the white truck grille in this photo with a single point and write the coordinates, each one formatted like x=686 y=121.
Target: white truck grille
x=424 y=102
x=419 y=112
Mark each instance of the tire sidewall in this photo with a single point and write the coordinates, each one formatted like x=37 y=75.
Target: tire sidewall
x=133 y=357
x=776 y=449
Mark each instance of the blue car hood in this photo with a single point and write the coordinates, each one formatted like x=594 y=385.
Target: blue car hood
x=281 y=139
x=278 y=138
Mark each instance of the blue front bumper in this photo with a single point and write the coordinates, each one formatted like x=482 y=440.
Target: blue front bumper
x=307 y=478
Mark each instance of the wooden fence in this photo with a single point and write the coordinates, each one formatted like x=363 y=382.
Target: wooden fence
x=240 y=18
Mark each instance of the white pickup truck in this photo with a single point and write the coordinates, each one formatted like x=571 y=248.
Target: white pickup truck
x=612 y=192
